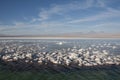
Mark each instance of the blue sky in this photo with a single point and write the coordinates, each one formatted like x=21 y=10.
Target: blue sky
x=34 y=17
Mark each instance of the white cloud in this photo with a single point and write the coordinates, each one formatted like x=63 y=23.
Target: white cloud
x=108 y=25
x=41 y=23
x=101 y=16
x=62 y=9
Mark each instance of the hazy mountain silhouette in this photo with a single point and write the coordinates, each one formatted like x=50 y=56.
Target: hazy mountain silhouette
x=90 y=34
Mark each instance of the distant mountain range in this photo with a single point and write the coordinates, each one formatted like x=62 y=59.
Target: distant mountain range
x=91 y=34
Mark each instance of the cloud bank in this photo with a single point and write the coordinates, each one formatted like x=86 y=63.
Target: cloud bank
x=79 y=16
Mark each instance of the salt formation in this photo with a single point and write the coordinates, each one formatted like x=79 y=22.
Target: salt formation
x=91 y=56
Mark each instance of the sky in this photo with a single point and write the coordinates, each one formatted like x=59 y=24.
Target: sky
x=41 y=17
